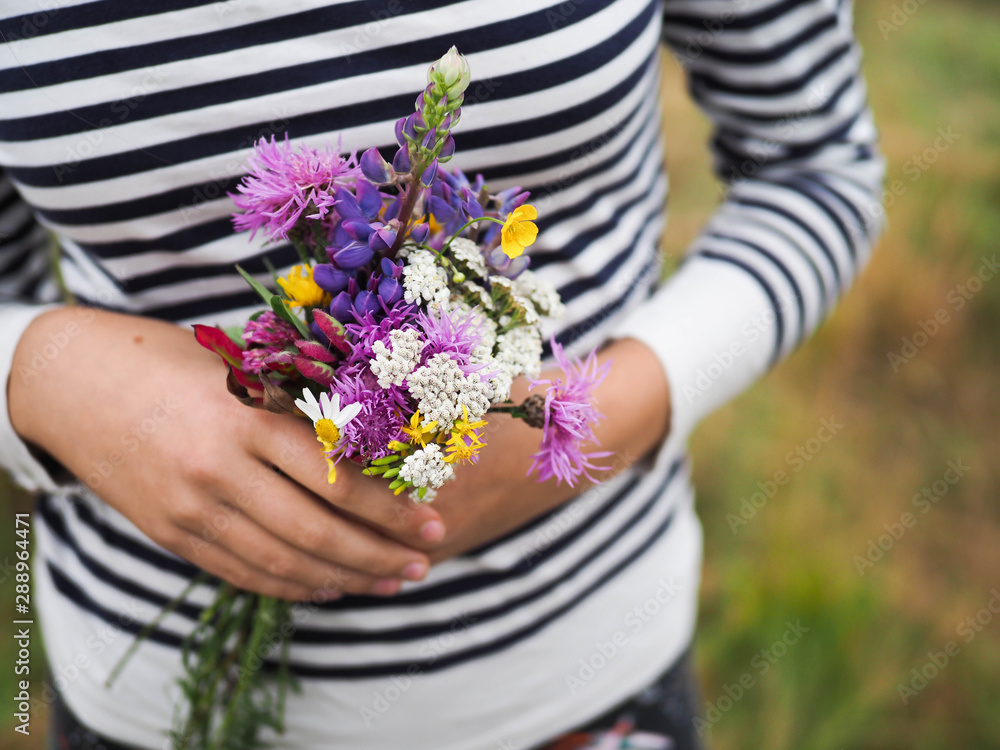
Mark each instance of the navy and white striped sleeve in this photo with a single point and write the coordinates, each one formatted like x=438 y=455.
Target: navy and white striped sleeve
x=794 y=141
x=23 y=269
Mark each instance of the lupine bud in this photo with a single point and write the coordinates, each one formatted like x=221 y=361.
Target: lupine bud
x=342 y=308
x=452 y=71
x=374 y=167
x=330 y=279
x=448 y=149
x=390 y=290
x=369 y=198
x=428 y=142
x=399 y=131
x=382 y=239
x=401 y=161
x=367 y=302
x=419 y=233
x=429 y=174
x=390 y=269
x=352 y=256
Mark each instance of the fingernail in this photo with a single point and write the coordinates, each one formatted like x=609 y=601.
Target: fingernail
x=415 y=571
x=432 y=531
x=386 y=587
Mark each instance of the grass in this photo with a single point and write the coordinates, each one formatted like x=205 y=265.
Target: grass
x=795 y=559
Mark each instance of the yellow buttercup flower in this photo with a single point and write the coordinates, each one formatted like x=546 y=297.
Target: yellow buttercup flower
x=302 y=291
x=519 y=230
x=419 y=434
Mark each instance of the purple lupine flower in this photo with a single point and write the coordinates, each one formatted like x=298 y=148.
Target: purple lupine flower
x=569 y=418
x=375 y=167
x=283 y=182
x=329 y=278
x=269 y=330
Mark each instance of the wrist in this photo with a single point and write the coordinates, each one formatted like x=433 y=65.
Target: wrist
x=634 y=398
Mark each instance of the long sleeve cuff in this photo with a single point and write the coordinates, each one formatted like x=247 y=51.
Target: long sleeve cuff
x=15 y=456
x=714 y=329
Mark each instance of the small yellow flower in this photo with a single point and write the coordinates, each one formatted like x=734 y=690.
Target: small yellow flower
x=419 y=434
x=464 y=427
x=464 y=443
x=302 y=291
x=462 y=448
x=519 y=231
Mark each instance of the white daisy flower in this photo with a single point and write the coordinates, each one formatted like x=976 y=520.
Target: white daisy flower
x=328 y=419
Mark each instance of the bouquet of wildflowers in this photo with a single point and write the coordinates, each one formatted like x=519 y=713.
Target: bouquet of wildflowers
x=409 y=317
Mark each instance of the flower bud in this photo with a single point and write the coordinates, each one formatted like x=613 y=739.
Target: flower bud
x=401 y=161
x=451 y=72
x=366 y=302
x=342 y=308
x=352 y=256
x=375 y=168
x=429 y=174
x=330 y=279
x=390 y=290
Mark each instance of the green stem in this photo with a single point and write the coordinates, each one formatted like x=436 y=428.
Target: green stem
x=465 y=226
x=413 y=191
x=144 y=633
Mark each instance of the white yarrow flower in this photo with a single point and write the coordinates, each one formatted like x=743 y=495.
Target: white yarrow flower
x=466 y=251
x=442 y=389
x=392 y=367
x=426 y=468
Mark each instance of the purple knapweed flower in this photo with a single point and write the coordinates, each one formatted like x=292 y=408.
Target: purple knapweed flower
x=569 y=418
x=283 y=182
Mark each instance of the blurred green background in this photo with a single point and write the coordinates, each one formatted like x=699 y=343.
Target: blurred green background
x=804 y=554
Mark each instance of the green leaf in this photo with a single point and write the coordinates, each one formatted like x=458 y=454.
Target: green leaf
x=263 y=291
x=282 y=311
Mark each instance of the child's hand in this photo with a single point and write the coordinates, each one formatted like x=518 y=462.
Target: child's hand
x=140 y=412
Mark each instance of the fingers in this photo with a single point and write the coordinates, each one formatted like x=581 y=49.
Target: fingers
x=255 y=559
x=291 y=445
x=217 y=561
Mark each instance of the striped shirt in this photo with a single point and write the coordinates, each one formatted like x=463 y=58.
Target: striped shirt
x=123 y=126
